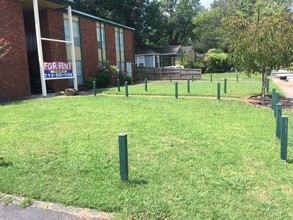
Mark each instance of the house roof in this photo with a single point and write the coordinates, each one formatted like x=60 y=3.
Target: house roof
x=186 y=49
x=148 y=50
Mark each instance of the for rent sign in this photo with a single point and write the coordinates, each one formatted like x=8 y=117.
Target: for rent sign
x=58 y=69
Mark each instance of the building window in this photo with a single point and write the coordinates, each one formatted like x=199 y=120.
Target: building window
x=120 y=54
x=78 y=73
x=78 y=57
x=76 y=32
x=140 y=61
x=101 y=39
x=31 y=42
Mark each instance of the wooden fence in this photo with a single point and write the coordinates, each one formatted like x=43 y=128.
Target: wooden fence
x=165 y=73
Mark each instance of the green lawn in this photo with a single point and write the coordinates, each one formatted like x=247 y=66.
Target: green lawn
x=197 y=88
x=231 y=77
x=188 y=158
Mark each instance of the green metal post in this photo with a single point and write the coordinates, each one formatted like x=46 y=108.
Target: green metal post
x=176 y=90
x=145 y=84
x=284 y=137
x=268 y=85
x=94 y=88
x=277 y=95
x=188 y=85
x=278 y=120
x=192 y=77
x=123 y=157
x=237 y=79
x=211 y=78
x=219 y=91
x=170 y=77
x=225 y=86
x=273 y=98
x=118 y=84
x=126 y=89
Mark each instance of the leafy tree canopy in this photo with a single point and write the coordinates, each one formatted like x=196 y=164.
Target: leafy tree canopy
x=262 y=44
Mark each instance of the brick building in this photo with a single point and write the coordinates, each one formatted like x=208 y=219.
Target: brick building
x=95 y=40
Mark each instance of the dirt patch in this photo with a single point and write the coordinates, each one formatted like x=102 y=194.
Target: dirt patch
x=256 y=100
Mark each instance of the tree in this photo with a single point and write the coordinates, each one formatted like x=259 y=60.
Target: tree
x=261 y=45
x=207 y=30
x=181 y=21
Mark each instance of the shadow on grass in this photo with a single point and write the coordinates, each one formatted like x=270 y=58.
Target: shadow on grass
x=138 y=182
x=290 y=161
x=4 y=163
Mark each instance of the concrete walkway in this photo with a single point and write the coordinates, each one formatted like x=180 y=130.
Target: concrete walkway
x=10 y=210
x=286 y=86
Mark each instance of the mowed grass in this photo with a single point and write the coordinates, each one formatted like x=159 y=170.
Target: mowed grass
x=188 y=158
x=197 y=88
x=231 y=77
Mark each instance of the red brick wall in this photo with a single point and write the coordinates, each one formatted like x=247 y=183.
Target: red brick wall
x=111 y=50
x=52 y=26
x=89 y=44
x=14 y=74
x=129 y=44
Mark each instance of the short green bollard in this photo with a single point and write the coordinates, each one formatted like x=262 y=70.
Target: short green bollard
x=268 y=85
x=170 y=76
x=123 y=157
x=118 y=84
x=192 y=78
x=225 y=86
x=126 y=89
x=94 y=88
x=219 y=91
x=237 y=78
x=278 y=120
x=284 y=138
x=273 y=98
x=277 y=96
x=188 y=85
x=176 y=90
x=145 y=85
x=211 y=78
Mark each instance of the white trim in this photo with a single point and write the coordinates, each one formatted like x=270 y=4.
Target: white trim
x=154 y=60
x=55 y=40
x=59 y=78
x=72 y=47
x=39 y=45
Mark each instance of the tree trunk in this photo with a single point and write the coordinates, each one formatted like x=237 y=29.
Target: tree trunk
x=264 y=85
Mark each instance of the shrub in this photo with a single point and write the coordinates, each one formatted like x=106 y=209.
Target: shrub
x=88 y=82
x=128 y=79
x=103 y=77
x=216 y=61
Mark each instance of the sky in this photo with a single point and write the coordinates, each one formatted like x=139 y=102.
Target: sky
x=206 y=3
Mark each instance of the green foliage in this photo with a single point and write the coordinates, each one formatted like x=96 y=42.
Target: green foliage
x=216 y=61
x=207 y=30
x=103 y=77
x=199 y=64
x=88 y=82
x=262 y=45
x=128 y=79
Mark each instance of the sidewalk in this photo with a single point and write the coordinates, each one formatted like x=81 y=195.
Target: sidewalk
x=10 y=210
x=287 y=87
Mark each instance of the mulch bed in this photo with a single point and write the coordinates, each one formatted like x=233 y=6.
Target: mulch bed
x=256 y=100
